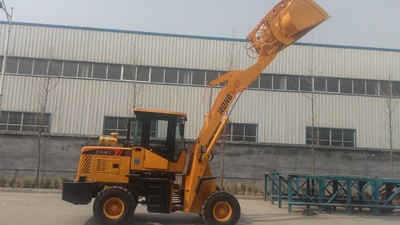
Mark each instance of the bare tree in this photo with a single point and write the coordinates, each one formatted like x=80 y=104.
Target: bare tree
x=226 y=134
x=135 y=87
x=307 y=88
x=45 y=100
x=391 y=105
x=223 y=141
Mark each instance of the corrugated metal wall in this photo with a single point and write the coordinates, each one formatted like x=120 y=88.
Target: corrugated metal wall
x=192 y=52
x=283 y=117
x=79 y=105
x=121 y=48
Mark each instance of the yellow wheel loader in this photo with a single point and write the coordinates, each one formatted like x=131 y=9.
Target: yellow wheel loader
x=145 y=167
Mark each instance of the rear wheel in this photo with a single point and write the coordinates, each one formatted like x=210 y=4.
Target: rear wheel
x=114 y=205
x=221 y=208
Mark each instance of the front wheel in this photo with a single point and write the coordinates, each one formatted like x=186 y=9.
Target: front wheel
x=114 y=205
x=221 y=208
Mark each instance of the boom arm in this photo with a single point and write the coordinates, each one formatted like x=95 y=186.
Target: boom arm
x=288 y=21
x=284 y=24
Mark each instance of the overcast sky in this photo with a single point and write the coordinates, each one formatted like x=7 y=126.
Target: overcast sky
x=368 y=23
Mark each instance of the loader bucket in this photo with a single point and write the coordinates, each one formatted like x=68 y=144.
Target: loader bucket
x=287 y=22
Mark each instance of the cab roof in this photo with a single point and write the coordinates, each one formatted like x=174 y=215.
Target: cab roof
x=170 y=113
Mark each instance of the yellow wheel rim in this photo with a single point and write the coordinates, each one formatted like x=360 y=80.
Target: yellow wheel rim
x=222 y=211
x=113 y=208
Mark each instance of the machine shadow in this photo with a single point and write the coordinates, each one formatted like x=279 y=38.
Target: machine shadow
x=159 y=218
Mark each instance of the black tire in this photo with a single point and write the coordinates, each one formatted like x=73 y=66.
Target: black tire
x=114 y=205
x=221 y=208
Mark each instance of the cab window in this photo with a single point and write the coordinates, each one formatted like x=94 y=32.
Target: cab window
x=135 y=135
x=179 y=140
x=158 y=134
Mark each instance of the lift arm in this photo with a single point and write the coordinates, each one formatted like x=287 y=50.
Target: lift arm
x=288 y=21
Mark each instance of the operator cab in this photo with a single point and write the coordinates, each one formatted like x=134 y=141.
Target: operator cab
x=161 y=132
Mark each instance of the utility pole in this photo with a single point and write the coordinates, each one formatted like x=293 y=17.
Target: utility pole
x=3 y=72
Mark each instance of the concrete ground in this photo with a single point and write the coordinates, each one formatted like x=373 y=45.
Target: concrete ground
x=22 y=208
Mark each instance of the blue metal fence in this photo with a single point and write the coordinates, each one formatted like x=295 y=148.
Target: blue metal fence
x=331 y=191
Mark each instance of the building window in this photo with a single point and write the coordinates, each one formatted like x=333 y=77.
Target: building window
x=298 y=83
x=185 y=76
x=306 y=83
x=359 y=87
x=293 y=83
x=279 y=82
x=25 y=121
x=12 y=65
x=396 y=88
x=331 y=136
x=320 y=84
x=241 y=132
x=157 y=75
x=99 y=70
x=114 y=72
x=55 y=67
x=211 y=75
x=115 y=124
x=40 y=67
x=346 y=86
x=143 y=73
x=129 y=72
x=266 y=81
x=372 y=87
x=70 y=69
x=199 y=77
x=85 y=70
x=25 y=66
x=171 y=76
x=332 y=84
x=384 y=88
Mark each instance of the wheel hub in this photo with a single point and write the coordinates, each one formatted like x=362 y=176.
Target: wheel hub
x=222 y=211
x=113 y=208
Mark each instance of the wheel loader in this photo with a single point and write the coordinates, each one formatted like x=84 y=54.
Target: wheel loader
x=152 y=167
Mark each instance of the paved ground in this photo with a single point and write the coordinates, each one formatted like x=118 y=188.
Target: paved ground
x=49 y=209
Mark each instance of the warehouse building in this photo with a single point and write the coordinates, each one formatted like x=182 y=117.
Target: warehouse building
x=95 y=77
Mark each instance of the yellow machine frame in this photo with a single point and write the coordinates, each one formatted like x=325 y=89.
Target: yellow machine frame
x=118 y=176
x=288 y=21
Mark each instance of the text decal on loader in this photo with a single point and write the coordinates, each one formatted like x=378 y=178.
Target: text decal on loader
x=228 y=98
